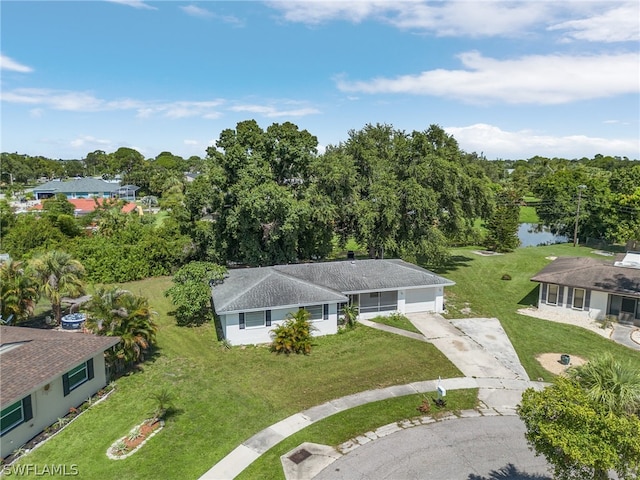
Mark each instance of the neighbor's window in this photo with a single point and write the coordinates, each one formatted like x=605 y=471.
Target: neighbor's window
x=254 y=319
x=552 y=295
x=578 y=298
x=77 y=376
x=15 y=414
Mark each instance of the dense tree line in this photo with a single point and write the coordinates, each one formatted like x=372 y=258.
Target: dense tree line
x=265 y=196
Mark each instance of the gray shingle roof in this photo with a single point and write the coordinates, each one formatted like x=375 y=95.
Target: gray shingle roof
x=88 y=185
x=308 y=283
x=584 y=272
x=41 y=356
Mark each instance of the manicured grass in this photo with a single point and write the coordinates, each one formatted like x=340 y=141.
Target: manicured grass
x=528 y=215
x=224 y=396
x=353 y=422
x=480 y=292
x=398 y=321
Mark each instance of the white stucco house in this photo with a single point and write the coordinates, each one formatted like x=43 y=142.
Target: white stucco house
x=43 y=373
x=591 y=288
x=251 y=301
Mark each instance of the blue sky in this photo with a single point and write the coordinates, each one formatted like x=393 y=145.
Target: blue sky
x=509 y=79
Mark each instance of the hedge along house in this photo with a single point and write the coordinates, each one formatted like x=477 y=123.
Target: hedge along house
x=250 y=302
x=591 y=288
x=44 y=374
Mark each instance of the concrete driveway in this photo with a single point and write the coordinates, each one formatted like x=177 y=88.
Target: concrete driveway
x=482 y=448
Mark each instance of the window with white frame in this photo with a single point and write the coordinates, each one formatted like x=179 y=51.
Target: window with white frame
x=552 y=294
x=578 y=298
x=77 y=376
x=254 y=319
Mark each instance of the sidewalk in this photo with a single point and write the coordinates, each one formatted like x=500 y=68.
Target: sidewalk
x=495 y=371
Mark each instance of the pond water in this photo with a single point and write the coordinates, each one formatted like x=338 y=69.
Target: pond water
x=532 y=234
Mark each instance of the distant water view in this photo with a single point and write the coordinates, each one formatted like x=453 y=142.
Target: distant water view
x=533 y=234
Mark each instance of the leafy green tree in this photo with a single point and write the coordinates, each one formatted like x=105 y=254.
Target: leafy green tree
x=611 y=382
x=30 y=234
x=581 y=438
x=191 y=292
x=120 y=313
x=18 y=292
x=294 y=334
x=503 y=225
x=57 y=275
x=7 y=219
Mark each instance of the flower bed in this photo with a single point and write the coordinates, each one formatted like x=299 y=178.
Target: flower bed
x=129 y=444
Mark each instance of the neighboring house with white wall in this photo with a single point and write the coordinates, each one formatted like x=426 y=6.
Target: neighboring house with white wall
x=43 y=374
x=591 y=288
x=250 y=302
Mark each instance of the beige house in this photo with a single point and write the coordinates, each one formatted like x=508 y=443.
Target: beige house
x=594 y=289
x=43 y=373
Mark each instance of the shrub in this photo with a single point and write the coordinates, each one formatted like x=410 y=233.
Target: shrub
x=294 y=335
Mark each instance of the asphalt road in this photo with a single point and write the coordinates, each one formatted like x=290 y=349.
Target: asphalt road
x=482 y=448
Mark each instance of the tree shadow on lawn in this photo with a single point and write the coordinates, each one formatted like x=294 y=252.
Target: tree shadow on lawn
x=454 y=263
x=531 y=298
x=509 y=472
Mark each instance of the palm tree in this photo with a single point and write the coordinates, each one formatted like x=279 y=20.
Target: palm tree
x=119 y=313
x=18 y=292
x=58 y=274
x=610 y=381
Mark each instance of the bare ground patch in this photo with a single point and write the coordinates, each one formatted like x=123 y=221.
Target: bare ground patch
x=551 y=362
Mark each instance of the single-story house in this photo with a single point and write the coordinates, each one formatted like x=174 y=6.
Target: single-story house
x=78 y=188
x=592 y=288
x=44 y=374
x=83 y=206
x=251 y=301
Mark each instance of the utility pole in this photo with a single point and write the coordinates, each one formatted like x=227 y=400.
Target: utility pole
x=575 y=230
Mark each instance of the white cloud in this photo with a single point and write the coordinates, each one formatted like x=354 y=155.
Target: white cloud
x=523 y=144
x=85 y=141
x=191 y=142
x=139 y=4
x=87 y=102
x=452 y=18
x=618 y=24
x=7 y=63
x=536 y=79
x=272 y=112
x=195 y=11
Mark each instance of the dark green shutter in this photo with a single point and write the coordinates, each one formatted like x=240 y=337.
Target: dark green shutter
x=325 y=311
x=544 y=292
x=27 y=411
x=65 y=384
x=570 y=298
x=268 y=318
x=587 y=299
x=89 y=369
x=241 y=316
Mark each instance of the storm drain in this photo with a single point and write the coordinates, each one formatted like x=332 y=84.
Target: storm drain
x=299 y=456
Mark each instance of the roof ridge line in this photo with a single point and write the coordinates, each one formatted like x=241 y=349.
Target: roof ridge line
x=306 y=282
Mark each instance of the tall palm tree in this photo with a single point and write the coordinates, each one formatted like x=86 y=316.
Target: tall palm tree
x=115 y=312
x=610 y=381
x=18 y=292
x=58 y=274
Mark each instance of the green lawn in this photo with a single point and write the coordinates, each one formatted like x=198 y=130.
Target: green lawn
x=528 y=215
x=480 y=289
x=345 y=425
x=398 y=321
x=223 y=397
